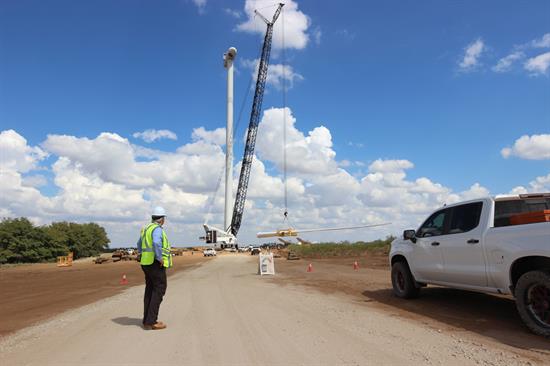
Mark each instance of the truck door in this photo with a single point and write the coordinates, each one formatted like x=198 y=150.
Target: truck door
x=426 y=254
x=462 y=245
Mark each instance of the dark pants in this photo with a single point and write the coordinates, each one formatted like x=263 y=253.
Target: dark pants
x=155 y=288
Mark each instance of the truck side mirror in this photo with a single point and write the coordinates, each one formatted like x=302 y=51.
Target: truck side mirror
x=409 y=235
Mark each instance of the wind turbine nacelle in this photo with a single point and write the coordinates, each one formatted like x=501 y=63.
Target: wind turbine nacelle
x=232 y=52
x=229 y=56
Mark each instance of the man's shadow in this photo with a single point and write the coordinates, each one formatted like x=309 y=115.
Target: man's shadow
x=124 y=320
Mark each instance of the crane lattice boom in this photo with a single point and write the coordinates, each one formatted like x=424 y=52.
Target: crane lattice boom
x=240 y=198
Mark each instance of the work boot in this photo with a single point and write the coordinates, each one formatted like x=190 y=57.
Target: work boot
x=156 y=326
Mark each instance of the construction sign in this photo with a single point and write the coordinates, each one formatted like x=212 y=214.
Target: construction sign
x=267 y=264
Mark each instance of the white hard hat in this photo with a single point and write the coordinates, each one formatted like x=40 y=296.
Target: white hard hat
x=159 y=211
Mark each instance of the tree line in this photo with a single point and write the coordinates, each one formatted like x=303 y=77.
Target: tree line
x=23 y=242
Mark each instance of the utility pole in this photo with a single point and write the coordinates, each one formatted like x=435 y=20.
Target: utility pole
x=228 y=59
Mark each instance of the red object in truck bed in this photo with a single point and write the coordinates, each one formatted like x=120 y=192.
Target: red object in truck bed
x=530 y=217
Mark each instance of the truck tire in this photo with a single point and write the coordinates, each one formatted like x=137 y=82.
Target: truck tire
x=533 y=301
x=402 y=280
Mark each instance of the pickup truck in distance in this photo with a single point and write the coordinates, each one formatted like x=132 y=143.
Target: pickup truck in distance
x=494 y=245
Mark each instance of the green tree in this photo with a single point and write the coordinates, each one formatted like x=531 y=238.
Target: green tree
x=21 y=241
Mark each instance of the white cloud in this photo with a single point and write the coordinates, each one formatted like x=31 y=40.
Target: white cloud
x=216 y=136
x=16 y=154
x=152 y=135
x=472 y=53
x=543 y=42
x=103 y=179
x=111 y=157
x=390 y=166
x=505 y=63
x=535 y=147
x=538 y=64
x=200 y=4
x=539 y=185
x=276 y=75
x=234 y=13
x=311 y=154
x=296 y=23
x=475 y=191
x=317 y=35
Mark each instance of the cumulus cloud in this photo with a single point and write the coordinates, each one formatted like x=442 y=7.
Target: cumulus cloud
x=311 y=154
x=475 y=191
x=18 y=196
x=538 y=185
x=472 y=53
x=216 y=136
x=104 y=179
x=538 y=65
x=296 y=23
x=16 y=154
x=505 y=63
x=152 y=135
x=277 y=74
x=110 y=156
x=390 y=166
x=34 y=181
x=535 y=147
x=543 y=42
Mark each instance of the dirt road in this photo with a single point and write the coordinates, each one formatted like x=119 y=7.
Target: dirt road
x=223 y=313
x=33 y=293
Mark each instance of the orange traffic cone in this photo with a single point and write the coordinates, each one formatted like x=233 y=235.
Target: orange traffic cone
x=124 y=281
x=356 y=266
x=310 y=268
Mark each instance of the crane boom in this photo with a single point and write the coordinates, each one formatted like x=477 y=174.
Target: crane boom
x=246 y=165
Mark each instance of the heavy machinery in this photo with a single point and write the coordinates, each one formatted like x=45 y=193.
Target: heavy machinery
x=227 y=238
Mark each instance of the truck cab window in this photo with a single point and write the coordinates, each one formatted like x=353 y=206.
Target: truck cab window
x=507 y=209
x=433 y=226
x=465 y=217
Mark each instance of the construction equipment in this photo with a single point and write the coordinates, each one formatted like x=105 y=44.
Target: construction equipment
x=103 y=258
x=295 y=232
x=121 y=255
x=176 y=251
x=285 y=242
x=227 y=238
x=292 y=256
x=65 y=261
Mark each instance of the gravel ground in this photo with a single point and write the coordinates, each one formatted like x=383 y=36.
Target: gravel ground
x=222 y=313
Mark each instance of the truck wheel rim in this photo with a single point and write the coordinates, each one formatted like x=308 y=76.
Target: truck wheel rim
x=538 y=300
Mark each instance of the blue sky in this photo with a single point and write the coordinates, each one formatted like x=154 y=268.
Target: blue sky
x=390 y=80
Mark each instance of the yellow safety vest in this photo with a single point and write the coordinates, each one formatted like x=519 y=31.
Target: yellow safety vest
x=147 y=252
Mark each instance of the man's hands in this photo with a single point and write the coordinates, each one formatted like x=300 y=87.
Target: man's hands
x=161 y=263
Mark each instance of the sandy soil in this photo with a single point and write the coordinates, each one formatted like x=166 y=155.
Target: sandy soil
x=35 y=292
x=221 y=312
x=487 y=319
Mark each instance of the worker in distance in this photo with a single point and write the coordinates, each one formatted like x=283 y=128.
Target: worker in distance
x=155 y=257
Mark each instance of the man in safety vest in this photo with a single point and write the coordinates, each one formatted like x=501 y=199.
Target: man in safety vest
x=155 y=256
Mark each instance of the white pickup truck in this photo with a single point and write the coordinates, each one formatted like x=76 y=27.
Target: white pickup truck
x=497 y=245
